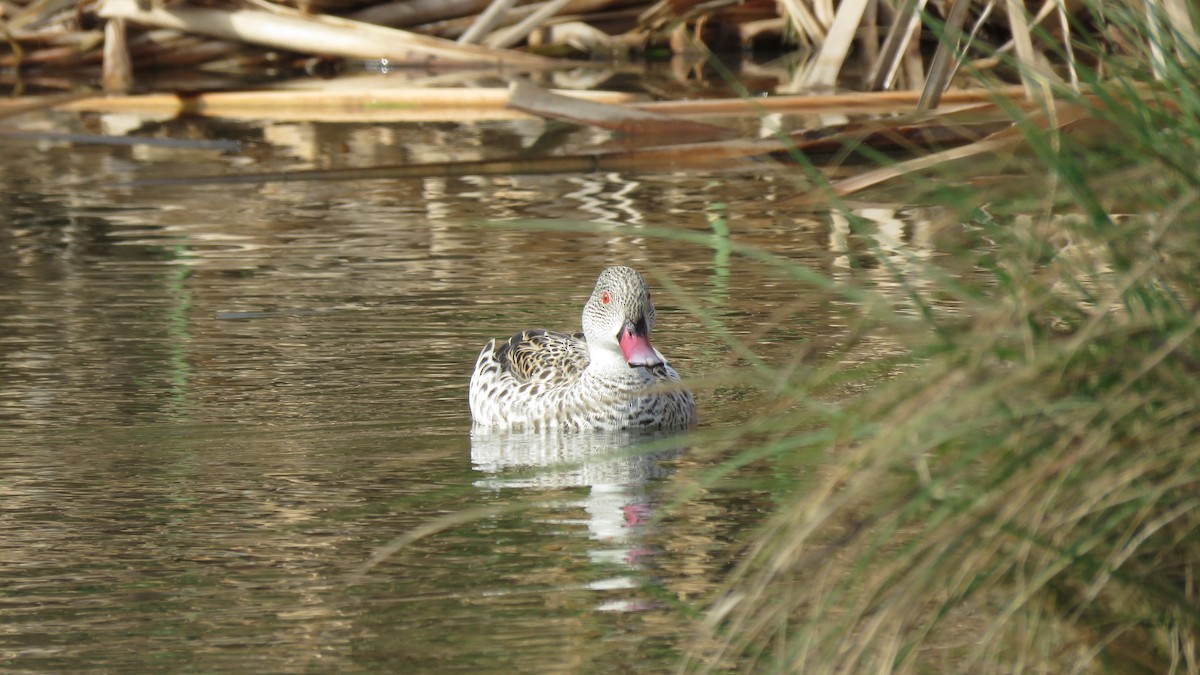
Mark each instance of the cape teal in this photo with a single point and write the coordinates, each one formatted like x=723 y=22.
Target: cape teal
x=608 y=377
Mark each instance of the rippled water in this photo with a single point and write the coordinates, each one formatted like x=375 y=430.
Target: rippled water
x=218 y=402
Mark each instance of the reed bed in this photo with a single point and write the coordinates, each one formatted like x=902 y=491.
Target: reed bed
x=1023 y=495
x=934 y=83
x=908 y=45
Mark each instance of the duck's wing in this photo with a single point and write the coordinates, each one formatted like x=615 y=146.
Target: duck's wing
x=543 y=356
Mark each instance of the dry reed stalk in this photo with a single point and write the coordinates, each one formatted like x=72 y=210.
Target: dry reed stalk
x=1180 y=19
x=882 y=101
x=510 y=36
x=376 y=105
x=904 y=28
x=823 y=70
x=79 y=51
x=117 y=70
x=312 y=34
x=170 y=49
x=40 y=13
x=404 y=13
x=486 y=22
x=868 y=179
x=28 y=104
x=808 y=29
x=1062 y=117
x=453 y=28
x=1168 y=22
x=620 y=119
x=1033 y=74
x=945 y=59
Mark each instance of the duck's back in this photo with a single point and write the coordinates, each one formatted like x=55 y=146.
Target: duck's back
x=542 y=356
x=525 y=377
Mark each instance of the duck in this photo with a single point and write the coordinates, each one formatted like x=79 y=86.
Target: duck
x=607 y=378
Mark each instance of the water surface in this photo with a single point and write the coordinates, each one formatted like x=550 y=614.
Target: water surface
x=217 y=402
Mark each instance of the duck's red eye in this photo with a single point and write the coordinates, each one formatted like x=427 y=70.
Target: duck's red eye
x=604 y=297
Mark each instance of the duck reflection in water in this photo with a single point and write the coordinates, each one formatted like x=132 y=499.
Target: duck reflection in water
x=613 y=465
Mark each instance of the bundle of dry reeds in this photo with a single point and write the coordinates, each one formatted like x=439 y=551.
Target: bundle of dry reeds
x=894 y=39
x=1021 y=61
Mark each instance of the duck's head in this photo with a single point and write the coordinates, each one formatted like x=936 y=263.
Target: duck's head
x=619 y=317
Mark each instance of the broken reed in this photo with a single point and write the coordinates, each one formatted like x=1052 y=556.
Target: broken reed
x=1027 y=496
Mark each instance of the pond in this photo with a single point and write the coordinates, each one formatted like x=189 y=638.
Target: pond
x=227 y=410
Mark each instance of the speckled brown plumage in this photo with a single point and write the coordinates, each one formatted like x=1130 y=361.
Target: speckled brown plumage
x=542 y=355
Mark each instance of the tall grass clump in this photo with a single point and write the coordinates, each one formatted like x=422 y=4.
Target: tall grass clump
x=1027 y=497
